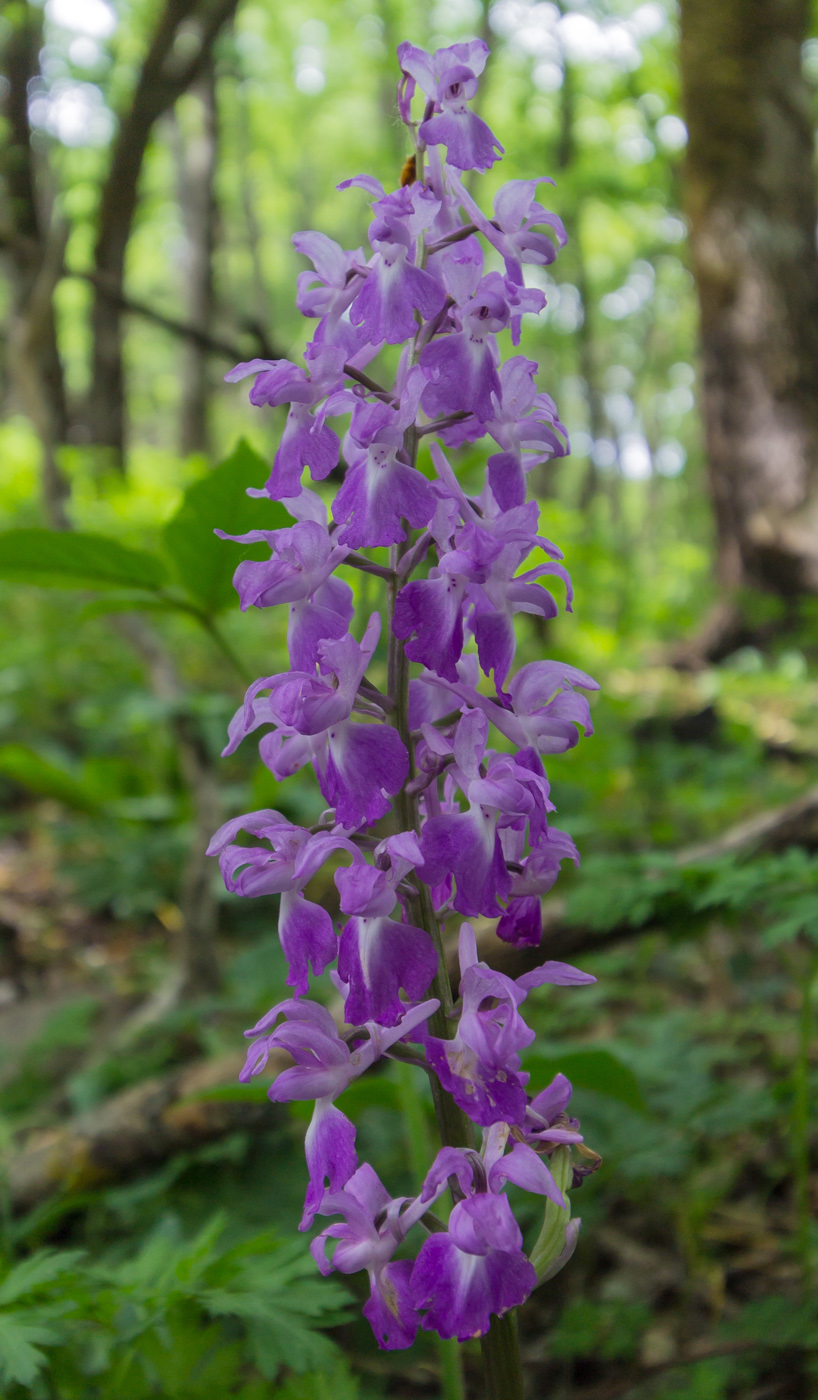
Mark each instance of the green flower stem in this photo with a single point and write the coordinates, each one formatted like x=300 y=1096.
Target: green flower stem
x=501 y=1359
x=801 y=1129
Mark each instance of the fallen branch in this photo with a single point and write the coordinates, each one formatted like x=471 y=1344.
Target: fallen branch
x=134 y=1131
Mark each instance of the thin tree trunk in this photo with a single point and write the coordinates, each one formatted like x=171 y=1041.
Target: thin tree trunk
x=35 y=251
x=196 y=159
x=162 y=79
x=750 y=195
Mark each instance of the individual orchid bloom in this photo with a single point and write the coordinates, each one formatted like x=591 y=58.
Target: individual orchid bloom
x=547 y=1124
x=517 y=216
x=462 y=368
x=310 y=703
x=374 y=1225
x=542 y=710
x=324 y=1067
x=306 y=440
x=294 y=855
x=480 y=1066
x=466 y=845
x=395 y=288
x=381 y=489
x=337 y=273
x=477 y=1268
x=379 y=955
x=449 y=78
x=358 y=766
x=298 y=573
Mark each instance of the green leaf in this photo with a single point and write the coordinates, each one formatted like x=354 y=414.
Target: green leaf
x=20 y=1358
x=28 y=768
x=598 y=1070
x=39 y=1269
x=68 y=559
x=204 y=563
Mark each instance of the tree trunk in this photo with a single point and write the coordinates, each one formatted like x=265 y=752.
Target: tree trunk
x=196 y=156
x=750 y=194
x=165 y=74
x=35 y=250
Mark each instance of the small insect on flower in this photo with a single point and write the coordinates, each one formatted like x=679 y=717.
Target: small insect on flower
x=409 y=173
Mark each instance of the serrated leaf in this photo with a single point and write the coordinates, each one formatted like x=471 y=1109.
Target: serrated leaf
x=204 y=563
x=70 y=559
x=28 y=768
x=20 y=1340
x=598 y=1070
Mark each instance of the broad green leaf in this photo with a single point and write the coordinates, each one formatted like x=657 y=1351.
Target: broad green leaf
x=589 y=1069
x=69 y=559
x=28 y=768
x=204 y=563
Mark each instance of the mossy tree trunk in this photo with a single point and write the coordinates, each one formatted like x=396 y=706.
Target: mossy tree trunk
x=750 y=194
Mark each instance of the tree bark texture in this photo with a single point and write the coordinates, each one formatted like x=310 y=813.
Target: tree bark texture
x=34 y=248
x=181 y=47
x=196 y=156
x=750 y=194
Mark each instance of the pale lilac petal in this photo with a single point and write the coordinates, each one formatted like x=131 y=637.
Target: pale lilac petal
x=558 y=974
x=365 y=764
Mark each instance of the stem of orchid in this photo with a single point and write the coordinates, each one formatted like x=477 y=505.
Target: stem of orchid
x=800 y=1128
x=501 y=1359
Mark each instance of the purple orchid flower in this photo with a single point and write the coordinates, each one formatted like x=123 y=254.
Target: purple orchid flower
x=462 y=368
x=298 y=573
x=395 y=288
x=480 y=1067
x=324 y=1067
x=381 y=489
x=449 y=78
x=477 y=1267
x=306 y=440
x=374 y=1226
x=293 y=858
x=512 y=232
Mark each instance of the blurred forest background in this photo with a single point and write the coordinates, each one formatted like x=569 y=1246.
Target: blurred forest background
x=156 y=157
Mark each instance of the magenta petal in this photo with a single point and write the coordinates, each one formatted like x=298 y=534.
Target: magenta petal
x=470 y=143
x=331 y=1159
x=460 y=1291
x=307 y=937
x=378 y=956
x=558 y=974
x=390 y=1310
x=521 y=924
x=432 y=608
x=364 y=763
x=377 y=495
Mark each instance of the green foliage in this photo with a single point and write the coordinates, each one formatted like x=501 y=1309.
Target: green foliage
x=58 y=559
x=611 y=1331
x=38 y=775
x=203 y=562
x=177 y=1318
x=598 y=1070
